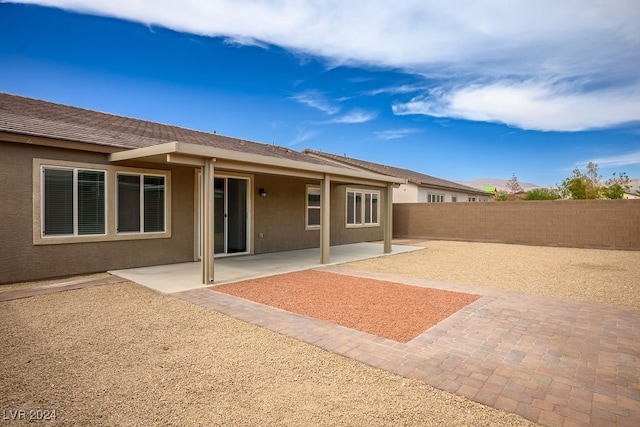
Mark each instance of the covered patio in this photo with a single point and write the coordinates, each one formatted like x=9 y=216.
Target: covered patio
x=209 y=160
x=172 y=278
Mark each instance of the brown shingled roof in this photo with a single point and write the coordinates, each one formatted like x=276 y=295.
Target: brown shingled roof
x=27 y=116
x=409 y=175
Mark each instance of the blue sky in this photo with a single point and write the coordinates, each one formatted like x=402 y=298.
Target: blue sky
x=458 y=89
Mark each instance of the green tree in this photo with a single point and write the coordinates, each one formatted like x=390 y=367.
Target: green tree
x=502 y=196
x=589 y=185
x=541 y=194
x=574 y=187
x=616 y=187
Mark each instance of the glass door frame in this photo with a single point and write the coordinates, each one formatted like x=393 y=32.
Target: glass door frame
x=249 y=219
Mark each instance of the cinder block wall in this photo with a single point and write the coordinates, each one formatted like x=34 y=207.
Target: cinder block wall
x=611 y=224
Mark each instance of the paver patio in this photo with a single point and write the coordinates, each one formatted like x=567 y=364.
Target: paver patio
x=558 y=362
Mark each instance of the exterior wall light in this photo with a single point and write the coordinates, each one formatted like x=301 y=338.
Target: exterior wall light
x=262 y=192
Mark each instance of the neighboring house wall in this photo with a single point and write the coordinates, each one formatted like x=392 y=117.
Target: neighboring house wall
x=406 y=193
x=613 y=224
x=459 y=197
x=412 y=193
x=22 y=260
x=423 y=194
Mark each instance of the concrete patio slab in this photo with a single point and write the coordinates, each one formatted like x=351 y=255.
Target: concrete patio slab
x=171 y=278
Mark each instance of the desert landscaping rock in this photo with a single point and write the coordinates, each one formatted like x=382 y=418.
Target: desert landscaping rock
x=598 y=275
x=124 y=355
x=121 y=354
x=382 y=308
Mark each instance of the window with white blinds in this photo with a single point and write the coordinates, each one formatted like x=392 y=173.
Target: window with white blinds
x=73 y=202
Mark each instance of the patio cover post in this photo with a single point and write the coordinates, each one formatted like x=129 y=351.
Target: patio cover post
x=388 y=222
x=206 y=226
x=325 y=219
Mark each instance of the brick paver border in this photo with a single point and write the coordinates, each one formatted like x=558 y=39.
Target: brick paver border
x=557 y=362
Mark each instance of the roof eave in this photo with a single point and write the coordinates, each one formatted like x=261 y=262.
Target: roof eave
x=196 y=155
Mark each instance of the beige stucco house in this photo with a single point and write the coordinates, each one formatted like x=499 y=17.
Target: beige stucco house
x=83 y=191
x=631 y=196
x=419 y=188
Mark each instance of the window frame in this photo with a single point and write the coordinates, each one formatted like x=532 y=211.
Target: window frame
x=308 y=207
x=110 y=203
x=360 y=218
x=435 y=198
x=141 y=203
x=75 y=211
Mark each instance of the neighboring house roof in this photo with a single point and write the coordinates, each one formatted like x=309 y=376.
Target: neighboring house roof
x=26 y=116
x=411 y=176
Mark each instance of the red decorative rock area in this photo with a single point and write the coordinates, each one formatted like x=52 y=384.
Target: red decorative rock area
x=387 y=309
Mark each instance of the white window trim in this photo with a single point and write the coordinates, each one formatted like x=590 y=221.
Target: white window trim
x=307 y=207
x=363 y=192
x=437 y=197
x=110 y=203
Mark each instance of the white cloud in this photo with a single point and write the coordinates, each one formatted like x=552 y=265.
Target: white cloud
x=401 y=89
x=395 y=133
x=476 y=47
x=303 y=135
x=315 y=99
x=355 y=116
x=245 y=41
x=612 y=161
x=529 y=105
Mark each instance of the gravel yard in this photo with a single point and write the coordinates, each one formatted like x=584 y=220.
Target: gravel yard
x=607 y=276
x=124 y=355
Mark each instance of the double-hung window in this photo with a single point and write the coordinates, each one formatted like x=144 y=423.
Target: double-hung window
x=435 y=198
x=362 y=207
x=140 y=203
x=313 y=207
x=73 y=201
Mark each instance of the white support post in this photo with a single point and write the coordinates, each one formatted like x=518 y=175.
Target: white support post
x=325 y=219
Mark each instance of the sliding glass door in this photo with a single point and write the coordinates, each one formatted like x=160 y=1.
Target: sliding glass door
x=230 y=215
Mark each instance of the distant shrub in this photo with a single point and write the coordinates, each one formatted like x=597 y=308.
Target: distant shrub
x=502 y=196
x=541 y=194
